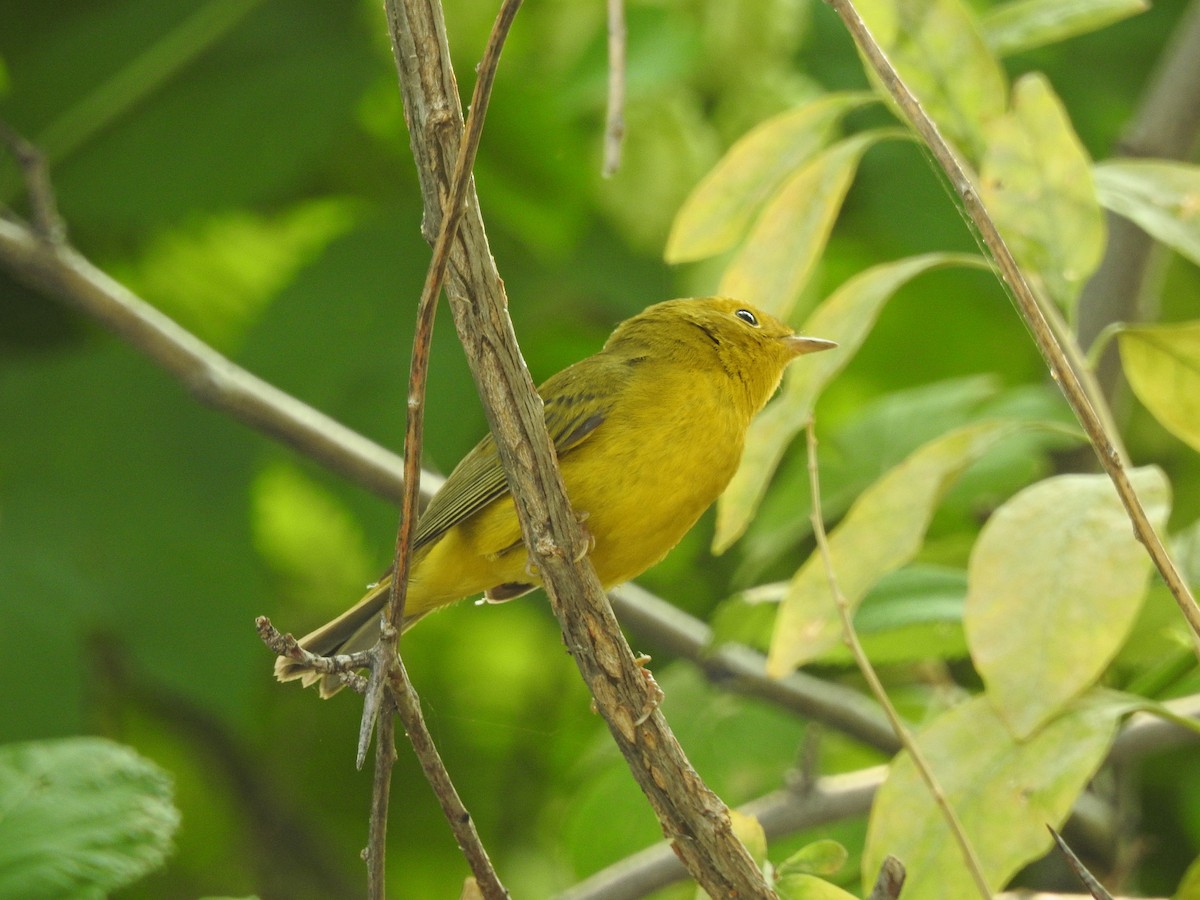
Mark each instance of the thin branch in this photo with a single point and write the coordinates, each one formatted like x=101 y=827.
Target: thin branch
x=691 y=815
x=850 y=635
x=346 y=665
x=388 y=668
x=833 y=798
x=374 y=854
x=890 y=881
x=741 y=669
x=1060 y=368
x=614 y=119
x=1095 y=888
x=35 y=172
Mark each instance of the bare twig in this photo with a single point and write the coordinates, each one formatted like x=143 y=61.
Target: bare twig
x=1060 y=368
x=890 y=881
x=1095 y=888
x=614 y=120
x=850 y=635
x=388 y=669
x=345 y=665
x=36 y=174
x=691 y=815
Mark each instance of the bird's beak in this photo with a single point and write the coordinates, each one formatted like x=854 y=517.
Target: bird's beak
x=798 y=344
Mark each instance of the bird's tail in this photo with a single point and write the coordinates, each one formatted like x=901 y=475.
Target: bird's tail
x=354 y=630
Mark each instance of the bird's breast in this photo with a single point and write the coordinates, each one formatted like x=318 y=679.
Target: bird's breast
x=645 y=477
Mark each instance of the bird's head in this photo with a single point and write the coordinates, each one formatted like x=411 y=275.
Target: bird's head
x=752 y=346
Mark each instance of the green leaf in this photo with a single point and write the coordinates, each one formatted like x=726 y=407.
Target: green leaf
x=775 y=262
x=1036 y=181
x=749 y=831
x=1163 y=198
x=882 y=531
x=846 y=317
x=1055 y=583
x=1022 y=25
x=1162 y=363
x=938 y=50
x=799 y=886
x=1004 y=791
x=718 y=212
x=824 y=857
x=80 y=817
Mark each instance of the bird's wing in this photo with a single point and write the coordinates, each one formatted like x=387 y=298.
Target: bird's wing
x=577 y=401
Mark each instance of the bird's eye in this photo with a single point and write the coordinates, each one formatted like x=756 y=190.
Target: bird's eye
x=748 y=317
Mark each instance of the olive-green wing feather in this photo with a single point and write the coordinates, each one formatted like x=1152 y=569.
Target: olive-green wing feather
x=577 y=401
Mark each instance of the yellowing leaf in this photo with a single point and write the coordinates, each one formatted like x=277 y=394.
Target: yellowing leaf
x=1022 y=25
x=846 y=317
x=881 y=532
x=717 y=213
x=799 y=886
x=1005 y=792
x=1162 y=363
x=1163 y=198
x=823 y=857
x=937 y=48
x=749 y=831
x=1054 y=585
x=787 y=239
x=1036 y=181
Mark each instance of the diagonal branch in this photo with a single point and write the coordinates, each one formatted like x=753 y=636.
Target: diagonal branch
x=691 y=815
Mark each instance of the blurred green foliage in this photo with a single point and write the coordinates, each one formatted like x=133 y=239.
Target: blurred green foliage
x=242 y=164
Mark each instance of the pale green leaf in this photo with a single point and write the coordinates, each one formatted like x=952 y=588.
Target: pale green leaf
x=1054 y=586
x=1036 y=182
x=798 y=886
x=937 y=48
x=882 y=531
x=216 y=276
x=787 y=239
x=1004 y=791
x=80 y=817
x=824 y=857
x=1163 y=198
x=718 y=212
x=1162 y=363
x=1022 y=25
x=846 y=316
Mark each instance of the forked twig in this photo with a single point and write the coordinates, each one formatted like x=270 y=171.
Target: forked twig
x=872 y=678
x=387 y=670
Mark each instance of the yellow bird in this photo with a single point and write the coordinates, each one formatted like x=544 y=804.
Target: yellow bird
x=648 y=433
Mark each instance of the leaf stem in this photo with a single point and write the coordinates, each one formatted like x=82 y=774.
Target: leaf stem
x=974 y=866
